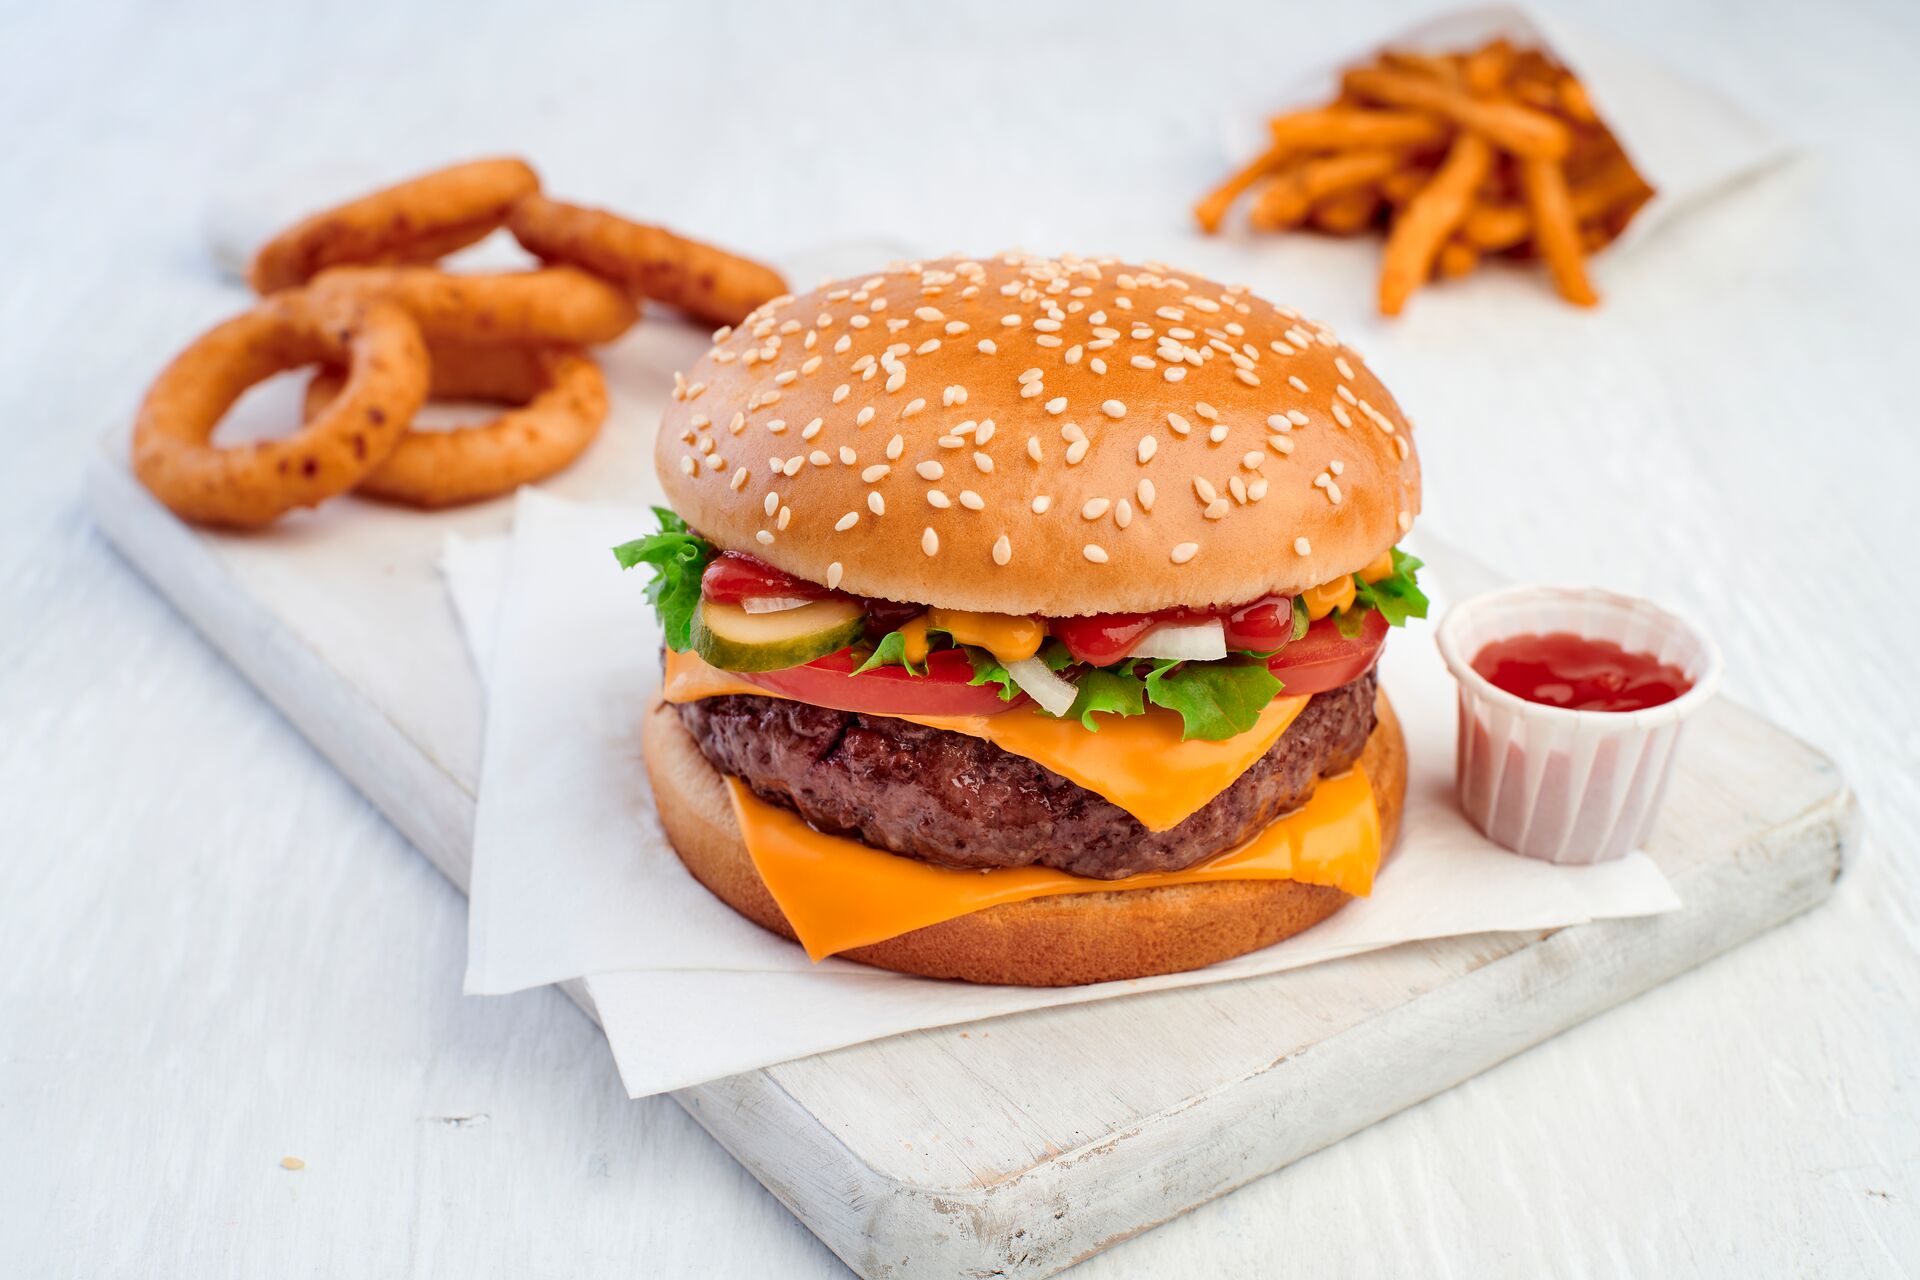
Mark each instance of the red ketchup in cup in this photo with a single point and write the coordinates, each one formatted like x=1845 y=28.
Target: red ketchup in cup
x=1571 y=703
x=1561 y=669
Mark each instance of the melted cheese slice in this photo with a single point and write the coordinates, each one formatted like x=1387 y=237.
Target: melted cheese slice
x=1137 y=762
x=838 y=893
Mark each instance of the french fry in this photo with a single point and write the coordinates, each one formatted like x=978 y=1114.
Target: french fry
x=1486 y=69
x=1457 y=258
x=1574 y=100
x=1556 y=231
x=1518 y=129
x=1402 y=185
x=1285 y=200
x=1491 y=228
x=1212 y=209
x=1434 y=65
x=1430 y=217
x=1346 y=213
x=1344 y=128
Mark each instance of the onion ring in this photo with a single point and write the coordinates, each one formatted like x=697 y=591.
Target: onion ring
x=420 y=219
x=707 y=283
x=249 y=485
x=551 y=306
x=563 y=400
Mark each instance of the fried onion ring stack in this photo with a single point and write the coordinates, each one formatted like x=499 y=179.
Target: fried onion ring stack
x=355 y=290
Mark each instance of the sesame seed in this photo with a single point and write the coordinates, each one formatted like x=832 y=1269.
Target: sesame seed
x=786 y=515
x=1205 y=410
x=786 y=377
x=986 y=347
x=739 y=422
x=1098 y=365
x=846 y=522
x=1333 y=493
x=1041 y=504
x=1203 y=487
x=1183 y=552
x=1146 y=447
x=1056 y=405
x=972 y=501
x=1257 y=488
x=875 y=473
x=1002 y=550
x=820 y=458
x=1340 y=363
x=1074 y=353
x=844 y=343
x=1048 y=340
x=1247 y=376
x=1346 y=393
x=1280 y=445
x=1252 y=459
x=1298 y=383
x=982 y=461
x=1301 y=547
x=1179 y=424
x=1122 y=513
x=1217 y=509
x=1238 y=488
x=1406 y=521
x=687 y=464
x=912 y=407
x=776 y=425
x=928 y=347
x=1217 y=432
x=1047 y=326
x=928 y=313
x=1032 y=389
x=951 y=442
x=1279 y=422
x=1297 y=418
x=930 y=470
x=1094 y=508
x=957 y=327
x=863 y=417
x=1143 y=362
x=1400 y=443
x=772 y=504
x=1076 y=451
x=1010 y=321
x=834 y=571
x=1094 y=552
x=739 y=480
x=930 y=541
x=1113 y=409
x=847 y=456
x=1340 y=414
x=896 y=380
x=764 y=538
x=1144 y=492
x=876 y=504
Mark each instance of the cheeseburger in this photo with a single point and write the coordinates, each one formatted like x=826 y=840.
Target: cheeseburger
x=1021 y=618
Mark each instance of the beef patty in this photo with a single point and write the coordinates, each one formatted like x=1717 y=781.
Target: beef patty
x=960 y=801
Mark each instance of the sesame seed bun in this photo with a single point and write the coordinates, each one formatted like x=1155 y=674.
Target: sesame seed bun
x=1055 y=941
x=1031 y=435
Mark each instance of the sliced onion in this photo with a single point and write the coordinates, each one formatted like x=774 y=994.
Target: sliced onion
x=1186 y=641
x=1044 y=687
x=773 y=604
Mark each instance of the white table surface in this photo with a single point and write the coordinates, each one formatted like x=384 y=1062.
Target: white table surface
x=213 y=954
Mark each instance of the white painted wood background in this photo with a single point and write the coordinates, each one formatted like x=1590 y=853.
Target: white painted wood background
x=213 y=954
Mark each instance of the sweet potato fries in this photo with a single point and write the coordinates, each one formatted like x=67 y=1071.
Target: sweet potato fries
x=1456 y=157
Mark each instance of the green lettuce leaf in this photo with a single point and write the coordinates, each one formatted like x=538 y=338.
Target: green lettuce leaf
x=1398 y=596
x=1114 y=690
x=1216 y=700
x=678 y=558
x=890 y=652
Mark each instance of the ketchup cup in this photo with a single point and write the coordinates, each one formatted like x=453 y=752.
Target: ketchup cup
x=1553 y=783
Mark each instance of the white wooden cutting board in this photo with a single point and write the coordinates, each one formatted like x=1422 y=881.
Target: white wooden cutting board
x=1017 y=1146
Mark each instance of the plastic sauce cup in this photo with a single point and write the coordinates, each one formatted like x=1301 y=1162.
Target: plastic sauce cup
x=1552 y=783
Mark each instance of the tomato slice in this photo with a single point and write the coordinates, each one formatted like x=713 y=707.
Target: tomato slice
x=731 y=577
x=1324 y=659
x=888 y=691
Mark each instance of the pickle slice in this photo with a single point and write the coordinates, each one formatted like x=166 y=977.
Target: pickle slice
x=732 y=639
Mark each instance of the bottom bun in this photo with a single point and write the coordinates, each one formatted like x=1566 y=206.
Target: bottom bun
x=1058 y=941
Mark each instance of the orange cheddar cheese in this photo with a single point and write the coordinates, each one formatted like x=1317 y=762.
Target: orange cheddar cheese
x=1137 y=762
x=838 y=893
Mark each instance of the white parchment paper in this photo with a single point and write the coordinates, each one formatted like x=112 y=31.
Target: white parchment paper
x=573 y=877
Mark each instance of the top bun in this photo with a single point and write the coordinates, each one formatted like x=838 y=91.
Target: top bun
x=1058 y=436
